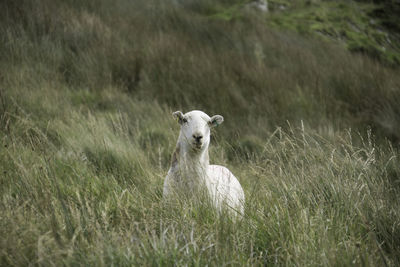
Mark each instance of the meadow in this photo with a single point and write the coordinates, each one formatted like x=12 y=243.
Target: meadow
x=87 y=88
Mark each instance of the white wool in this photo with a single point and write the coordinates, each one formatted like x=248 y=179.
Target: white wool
x=190 y=167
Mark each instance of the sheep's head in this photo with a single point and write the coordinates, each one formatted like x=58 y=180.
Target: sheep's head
x=195 y=128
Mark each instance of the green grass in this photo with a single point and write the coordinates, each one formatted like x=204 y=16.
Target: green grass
x=366 y=27
x=86 y=133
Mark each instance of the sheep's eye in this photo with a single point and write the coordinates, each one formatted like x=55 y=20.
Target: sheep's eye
x=184 y=120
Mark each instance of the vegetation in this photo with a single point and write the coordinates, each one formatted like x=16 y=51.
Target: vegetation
x=364 y=26
x=311 y=130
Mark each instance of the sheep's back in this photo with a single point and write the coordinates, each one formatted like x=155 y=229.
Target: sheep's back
x=224 y=187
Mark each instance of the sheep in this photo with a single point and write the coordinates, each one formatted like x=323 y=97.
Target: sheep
x=190 y=168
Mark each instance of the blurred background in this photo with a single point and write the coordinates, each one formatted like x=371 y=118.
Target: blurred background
x=310 y=93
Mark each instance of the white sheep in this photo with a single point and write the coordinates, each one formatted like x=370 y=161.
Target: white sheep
x=190 y=168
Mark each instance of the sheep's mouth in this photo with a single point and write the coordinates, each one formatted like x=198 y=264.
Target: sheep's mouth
x=197 y=146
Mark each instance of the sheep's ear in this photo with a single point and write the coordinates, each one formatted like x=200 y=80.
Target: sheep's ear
x=216 y=120
x=178 y=115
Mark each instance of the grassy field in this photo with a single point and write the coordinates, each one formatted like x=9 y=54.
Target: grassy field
x=369 y=27
x=87 y=89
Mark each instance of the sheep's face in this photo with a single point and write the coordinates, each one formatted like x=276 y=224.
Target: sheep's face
x=195 y=128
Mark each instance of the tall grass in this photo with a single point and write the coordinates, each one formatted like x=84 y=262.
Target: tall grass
x=86 y=90
x=155 y=50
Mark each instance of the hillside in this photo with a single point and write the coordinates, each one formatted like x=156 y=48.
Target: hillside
x=367 y=27
x=312 y=131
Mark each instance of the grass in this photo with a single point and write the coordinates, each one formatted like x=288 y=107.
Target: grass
x=367 y=27
x=86 y=93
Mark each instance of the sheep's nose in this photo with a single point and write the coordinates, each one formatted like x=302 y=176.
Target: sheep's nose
x=197 y=137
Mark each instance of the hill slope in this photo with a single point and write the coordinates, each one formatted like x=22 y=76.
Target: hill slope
x=86 y=90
